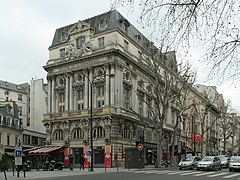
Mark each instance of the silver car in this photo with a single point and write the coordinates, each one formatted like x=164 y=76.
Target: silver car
x=189 y=162
x=209 y=163
x=234 y=163
x=224 y=160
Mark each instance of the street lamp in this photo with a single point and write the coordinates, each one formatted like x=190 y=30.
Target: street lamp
x=91 y=115
x=194 y=136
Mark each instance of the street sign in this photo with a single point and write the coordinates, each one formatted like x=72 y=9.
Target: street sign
x=18 y=155
x=140 y=147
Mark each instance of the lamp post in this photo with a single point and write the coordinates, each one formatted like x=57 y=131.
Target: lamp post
x=91 y=115
x=194 y=134
x=91 y=124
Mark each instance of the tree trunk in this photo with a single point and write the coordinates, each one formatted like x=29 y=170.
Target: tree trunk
x=159 y=149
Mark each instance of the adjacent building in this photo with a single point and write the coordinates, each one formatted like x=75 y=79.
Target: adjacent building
x=28 y=102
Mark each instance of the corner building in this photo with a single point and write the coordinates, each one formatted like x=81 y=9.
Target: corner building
x=103 y=59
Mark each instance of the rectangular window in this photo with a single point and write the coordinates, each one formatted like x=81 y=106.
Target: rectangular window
x=16 y=140
x=80 y=94
x=19 y=97
x=140 y=106
x=8 y=140
x=0 y=138
x=61 y=97
x=100 y=91
x=61 y=108
x=100 y=104
x=62 y=53
x=80 y=41
x=125 y=45
x=80 y=106
x=20 y=110
x=28 y=122
x=101 y=42
x=34 y=140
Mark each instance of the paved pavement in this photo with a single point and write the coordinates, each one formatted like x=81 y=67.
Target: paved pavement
x=65 y=172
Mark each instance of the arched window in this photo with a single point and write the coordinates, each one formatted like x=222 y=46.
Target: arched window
x=126 y=133
x=77 y=133
x=98 y=132
x=58 y=134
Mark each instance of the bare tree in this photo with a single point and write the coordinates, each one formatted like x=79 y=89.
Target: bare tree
x=181 y=24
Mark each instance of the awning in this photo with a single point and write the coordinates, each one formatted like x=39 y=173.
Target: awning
x=43 y=150
x=187 y=149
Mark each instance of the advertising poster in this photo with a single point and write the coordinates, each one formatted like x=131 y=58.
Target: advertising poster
x=108 y=156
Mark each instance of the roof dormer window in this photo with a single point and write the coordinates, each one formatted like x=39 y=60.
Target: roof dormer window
x=64 y=36
x=102 y=25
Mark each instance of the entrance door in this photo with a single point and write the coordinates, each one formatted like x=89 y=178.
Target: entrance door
x=99 y=156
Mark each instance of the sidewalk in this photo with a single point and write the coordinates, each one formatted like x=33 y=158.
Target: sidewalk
x=66 y=172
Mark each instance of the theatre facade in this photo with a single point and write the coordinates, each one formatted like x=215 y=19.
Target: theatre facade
x=98 y=66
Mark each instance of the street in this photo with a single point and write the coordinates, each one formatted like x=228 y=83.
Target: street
x=150 y=174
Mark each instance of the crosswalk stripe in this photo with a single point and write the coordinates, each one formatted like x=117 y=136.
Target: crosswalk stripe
x=203 y=174
x=195 y=172
x=230 y=176
x=219 y=174
x=178 y=172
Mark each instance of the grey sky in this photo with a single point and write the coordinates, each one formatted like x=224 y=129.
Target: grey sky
x=27 y=28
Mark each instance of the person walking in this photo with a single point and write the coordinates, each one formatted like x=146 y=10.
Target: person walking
x=81 y=161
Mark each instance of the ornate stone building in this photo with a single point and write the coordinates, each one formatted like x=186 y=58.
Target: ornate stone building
x=102 y=60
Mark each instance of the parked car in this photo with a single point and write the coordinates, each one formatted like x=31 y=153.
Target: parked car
x=224 y=160
x=189 y=162
x=209 y=163
x=234 y=163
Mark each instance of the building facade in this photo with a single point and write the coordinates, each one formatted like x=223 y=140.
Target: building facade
x=100 y=64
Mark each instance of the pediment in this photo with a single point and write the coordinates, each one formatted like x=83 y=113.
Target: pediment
x=79 y=27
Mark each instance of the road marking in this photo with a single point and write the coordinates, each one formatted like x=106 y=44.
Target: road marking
x=214 y=175
x=178 y=172
x=152 y=172
x=202 y=174
x=232 y=175
x=195 y=172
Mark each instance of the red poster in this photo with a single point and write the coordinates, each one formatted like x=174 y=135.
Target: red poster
x=66 y=157
x=197 y=138
x=108 y=156
x=86 y=163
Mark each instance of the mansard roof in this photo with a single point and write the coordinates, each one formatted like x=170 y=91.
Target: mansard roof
x=114 y=21
x=12 y=87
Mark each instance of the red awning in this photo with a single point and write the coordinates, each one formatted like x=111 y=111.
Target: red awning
x=44 y=150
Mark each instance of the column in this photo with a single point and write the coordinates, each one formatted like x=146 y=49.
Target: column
x=89 y=87
x=133 y=102
x=71 y=93
x=66 y=93
x=112 y=85
x=106 y=102
x=49 y=94
x=86 y=90
x=53 y=96
x=119 y=86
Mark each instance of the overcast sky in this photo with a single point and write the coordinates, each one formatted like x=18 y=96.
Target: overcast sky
x=27 y=28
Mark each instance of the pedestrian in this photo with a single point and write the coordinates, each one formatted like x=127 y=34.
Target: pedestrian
x=81 y=162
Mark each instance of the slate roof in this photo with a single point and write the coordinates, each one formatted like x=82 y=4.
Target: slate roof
x=12 y=87
x=115 y=21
